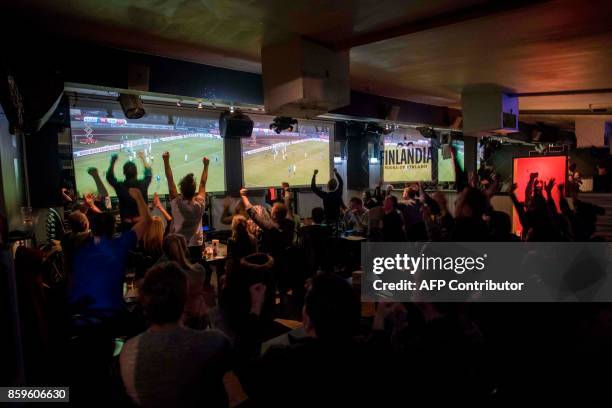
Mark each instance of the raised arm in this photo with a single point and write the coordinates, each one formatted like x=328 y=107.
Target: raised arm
x=90 y=203
x=148 y=172
x=144 y=216
x=552 y=207
x=168 y=170
x=313 y=185
x=518 y=206
x=265 y=224
x=110 y=174
x=102 y=192
x=203 y=178
x=158 y=204
x=529 y=188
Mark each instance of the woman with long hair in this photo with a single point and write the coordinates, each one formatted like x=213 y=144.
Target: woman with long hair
x=175 y=249
x=153 y=238
x=149 y=248
x=242 y=243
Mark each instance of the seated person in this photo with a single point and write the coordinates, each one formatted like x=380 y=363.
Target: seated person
x=327 y=361
x=71 y=242
x=170 y=365
x=175 y=249
x=356 y=218
x=149 y=249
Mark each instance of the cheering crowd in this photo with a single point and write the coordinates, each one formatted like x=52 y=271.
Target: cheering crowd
x=191 y=341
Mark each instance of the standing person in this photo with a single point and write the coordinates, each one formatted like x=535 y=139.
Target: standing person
x=276 y=237
x=188 y=207
x=276 y=231
x=289 y=201
x=410 y=206
x=99 y=264
x=332 y=198
x=128 y=209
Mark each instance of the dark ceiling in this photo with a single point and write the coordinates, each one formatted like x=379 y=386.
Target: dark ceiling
x=425 y=51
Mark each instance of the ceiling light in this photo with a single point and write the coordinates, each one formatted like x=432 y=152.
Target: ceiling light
x=200 y=105
x=178 y=103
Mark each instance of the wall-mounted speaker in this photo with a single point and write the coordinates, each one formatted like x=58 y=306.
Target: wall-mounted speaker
x=235 y=125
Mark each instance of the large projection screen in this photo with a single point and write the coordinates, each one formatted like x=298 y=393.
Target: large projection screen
x=97 y=133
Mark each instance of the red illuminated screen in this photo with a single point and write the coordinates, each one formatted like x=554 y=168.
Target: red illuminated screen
x=547 y=167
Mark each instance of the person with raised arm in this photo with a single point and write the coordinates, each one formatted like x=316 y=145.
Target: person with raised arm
x=128 y=209
x=276 y=228
x=102 y=191
x=99 y=265
x=188 y=207
x=158 y=204
x=332 y=198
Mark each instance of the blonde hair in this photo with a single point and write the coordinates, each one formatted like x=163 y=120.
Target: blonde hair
x=153 y=238
x=175 y=248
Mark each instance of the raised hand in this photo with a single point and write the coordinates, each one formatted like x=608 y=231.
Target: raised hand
x=549 y=186
x=141 y=154
x=243 y=192
x=114 y=157
x=92 y=171
x=166 y=156
x=89 y=199
x=533 y=176
x=316 y=172
x=206 y=161
x=156 y=201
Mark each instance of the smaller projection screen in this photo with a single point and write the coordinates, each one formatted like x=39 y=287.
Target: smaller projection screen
x=270 y=158
x=547 y=167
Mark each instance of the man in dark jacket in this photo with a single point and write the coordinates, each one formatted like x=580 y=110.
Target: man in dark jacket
x=332 y=198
